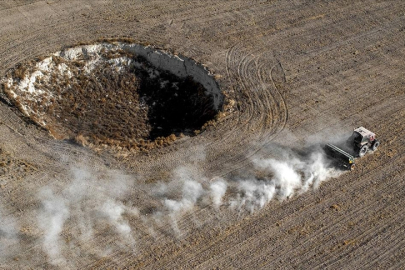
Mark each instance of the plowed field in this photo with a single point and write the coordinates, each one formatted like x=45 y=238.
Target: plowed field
x=294 y=73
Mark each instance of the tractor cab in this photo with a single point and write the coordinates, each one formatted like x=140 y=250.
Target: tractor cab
x=362 y=139
x=362 y=136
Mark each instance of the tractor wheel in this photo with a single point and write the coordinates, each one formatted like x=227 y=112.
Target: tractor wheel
x=363 y=150
x=375 y=145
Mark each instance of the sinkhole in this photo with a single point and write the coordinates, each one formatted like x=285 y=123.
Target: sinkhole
x=115 y=94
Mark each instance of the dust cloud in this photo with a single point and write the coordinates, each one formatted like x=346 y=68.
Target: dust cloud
x=8 y=234
x=93 y=199
x=266 y=179
x=92 y=207
x=51 y=220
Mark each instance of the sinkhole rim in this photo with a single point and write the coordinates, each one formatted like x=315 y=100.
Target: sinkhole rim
x=31 y=88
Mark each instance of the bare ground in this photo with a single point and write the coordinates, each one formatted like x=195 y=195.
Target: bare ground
x=293 y=68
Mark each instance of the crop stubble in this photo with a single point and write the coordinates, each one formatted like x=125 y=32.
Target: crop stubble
x=291 y=70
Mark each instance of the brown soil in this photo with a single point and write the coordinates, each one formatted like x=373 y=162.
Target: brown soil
x=294 y=72
x=126 y=108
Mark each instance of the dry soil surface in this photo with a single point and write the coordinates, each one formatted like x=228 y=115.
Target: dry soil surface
x=293 y=71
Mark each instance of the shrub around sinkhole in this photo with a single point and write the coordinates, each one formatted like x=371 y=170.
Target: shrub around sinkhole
x=110 y=97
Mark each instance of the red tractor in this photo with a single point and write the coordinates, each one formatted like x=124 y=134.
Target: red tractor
x=362 y=140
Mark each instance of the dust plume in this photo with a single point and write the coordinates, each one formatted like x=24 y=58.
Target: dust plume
x=91 y=200
x=8 y=234
x=280 y=178
x=95 y=205
x=217 y=191
x=188 y=188
x=268 y=178
x=51 y=220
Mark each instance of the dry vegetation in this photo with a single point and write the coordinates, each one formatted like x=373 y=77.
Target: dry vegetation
x=293 y=72
x=136 y=107
x=9 y=165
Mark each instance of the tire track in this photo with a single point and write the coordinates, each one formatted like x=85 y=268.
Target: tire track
x=249 y=77
x=261 y=229
x=357 y=213
x=253 y=70
x=257 y=99
x=267 y=233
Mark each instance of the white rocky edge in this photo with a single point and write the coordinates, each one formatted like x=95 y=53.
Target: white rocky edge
x=90 y=55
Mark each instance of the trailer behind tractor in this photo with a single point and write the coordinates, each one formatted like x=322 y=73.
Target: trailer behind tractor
x=339 y=157
x=357 y=145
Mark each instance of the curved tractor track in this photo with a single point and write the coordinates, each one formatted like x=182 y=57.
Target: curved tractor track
x=293 y=73
x=259 y=89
